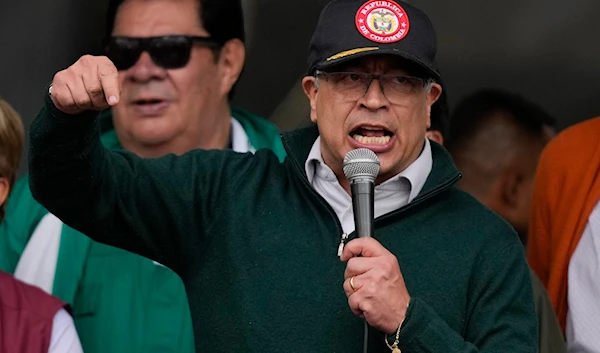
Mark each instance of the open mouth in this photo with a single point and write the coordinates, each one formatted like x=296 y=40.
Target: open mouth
x=370 y=135
x=150 y=107
x=146 y=102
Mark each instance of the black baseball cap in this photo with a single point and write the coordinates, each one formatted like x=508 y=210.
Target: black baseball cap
x=350 y=29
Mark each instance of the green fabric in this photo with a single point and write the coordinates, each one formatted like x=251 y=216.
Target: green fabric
x=261 y=133
x=122 y=302
x=256 y=246
x=551 y=339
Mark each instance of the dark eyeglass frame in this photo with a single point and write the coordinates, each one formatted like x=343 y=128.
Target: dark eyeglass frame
x=168 y=52
x=327 y=74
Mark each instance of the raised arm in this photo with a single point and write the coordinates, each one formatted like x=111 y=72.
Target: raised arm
x=155 y=207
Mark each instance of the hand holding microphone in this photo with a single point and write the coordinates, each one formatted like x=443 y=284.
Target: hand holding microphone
x=373 y=281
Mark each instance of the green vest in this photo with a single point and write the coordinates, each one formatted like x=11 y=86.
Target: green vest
x=122 y=302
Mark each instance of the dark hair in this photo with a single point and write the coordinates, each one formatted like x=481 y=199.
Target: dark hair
x=475 y=111
x=440 y=113
x=212 y=13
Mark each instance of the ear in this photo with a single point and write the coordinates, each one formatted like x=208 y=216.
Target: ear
x=435 y=135
x=3 y=190
x=508 y=193
x=432 y=96
x=510 y=182
x=231 y=62
x=309 y=84
x=434 y=93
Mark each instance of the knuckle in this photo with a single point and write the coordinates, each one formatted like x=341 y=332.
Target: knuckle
x=353 y=302
x=86 y=60
x=95 y=90
x=369 y=290
x=380 y=274
x=366 y=307
x=103 y=59
x=59 y=78
x=387 y=267
x=62 y=99
x=82 y=102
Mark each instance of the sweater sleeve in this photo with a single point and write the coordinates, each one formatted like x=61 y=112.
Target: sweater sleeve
x=501 y=315
x=158 y=208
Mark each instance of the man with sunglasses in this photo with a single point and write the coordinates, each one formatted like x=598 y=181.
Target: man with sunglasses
x=258 y=242
x=178 y=63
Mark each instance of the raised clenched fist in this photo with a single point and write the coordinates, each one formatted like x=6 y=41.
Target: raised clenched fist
x=91 y=83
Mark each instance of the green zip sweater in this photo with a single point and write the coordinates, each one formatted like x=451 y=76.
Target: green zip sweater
x=122 y=302
x=256 y=246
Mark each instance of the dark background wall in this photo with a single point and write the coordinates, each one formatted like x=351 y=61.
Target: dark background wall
x=544 y=49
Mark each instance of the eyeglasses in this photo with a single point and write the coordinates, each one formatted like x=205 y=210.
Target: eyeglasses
x=168 y=52
x=353 y=85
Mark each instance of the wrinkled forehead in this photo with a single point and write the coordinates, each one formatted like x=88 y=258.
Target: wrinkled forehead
x=382 y=63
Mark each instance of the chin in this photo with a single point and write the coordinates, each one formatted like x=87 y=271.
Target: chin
x=151 y=134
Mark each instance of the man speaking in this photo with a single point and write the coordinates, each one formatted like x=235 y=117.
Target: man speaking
x=256 y=241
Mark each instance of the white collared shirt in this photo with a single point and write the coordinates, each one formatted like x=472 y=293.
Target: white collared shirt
x=389 y=195
x=239 y=138
x=583 y=315
x=64 y=338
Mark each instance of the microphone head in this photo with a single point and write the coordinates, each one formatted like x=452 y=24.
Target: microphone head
x=361 y=163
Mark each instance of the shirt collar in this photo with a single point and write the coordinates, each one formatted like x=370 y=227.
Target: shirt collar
x=239 y=138
x=416 y=174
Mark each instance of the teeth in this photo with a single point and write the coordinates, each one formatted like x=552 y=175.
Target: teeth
x=371 y=140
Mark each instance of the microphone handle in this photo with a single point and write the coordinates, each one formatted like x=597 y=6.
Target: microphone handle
x=363 y=200
x=363 y=191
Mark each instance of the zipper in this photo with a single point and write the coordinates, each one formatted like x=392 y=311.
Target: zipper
x=322 y=201
x=347 y=237
x=342 y=243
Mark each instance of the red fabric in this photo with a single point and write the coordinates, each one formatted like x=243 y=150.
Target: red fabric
x=567 y=188
x=26 y=315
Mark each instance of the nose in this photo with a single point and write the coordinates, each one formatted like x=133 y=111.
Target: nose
x=145 y=70
x=374 y=99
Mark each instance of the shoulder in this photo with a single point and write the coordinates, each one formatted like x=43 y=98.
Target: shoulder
x=473 y=223
x=22 y=209
x=571 y=142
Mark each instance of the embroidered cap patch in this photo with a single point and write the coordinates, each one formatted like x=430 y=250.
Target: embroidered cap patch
x=382 y=21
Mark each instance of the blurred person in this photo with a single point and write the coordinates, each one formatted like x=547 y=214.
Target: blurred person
x=178 y=63
x=564 y=232
x=495 y=139
x=31 y=321
x=267 y=250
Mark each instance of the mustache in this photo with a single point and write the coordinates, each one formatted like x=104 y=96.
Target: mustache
x=156 y=89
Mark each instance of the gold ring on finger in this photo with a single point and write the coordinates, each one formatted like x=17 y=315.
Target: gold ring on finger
x=352 y=283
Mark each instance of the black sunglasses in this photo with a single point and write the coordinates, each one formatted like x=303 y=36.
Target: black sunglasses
x=168 y=52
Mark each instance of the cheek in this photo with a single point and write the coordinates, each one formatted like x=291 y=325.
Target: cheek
x=332 y=113
x=194 y=87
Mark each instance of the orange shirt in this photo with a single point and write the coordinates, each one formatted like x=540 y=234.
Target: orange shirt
x=567 y=188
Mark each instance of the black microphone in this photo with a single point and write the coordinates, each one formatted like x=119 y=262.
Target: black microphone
x=361 y=167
